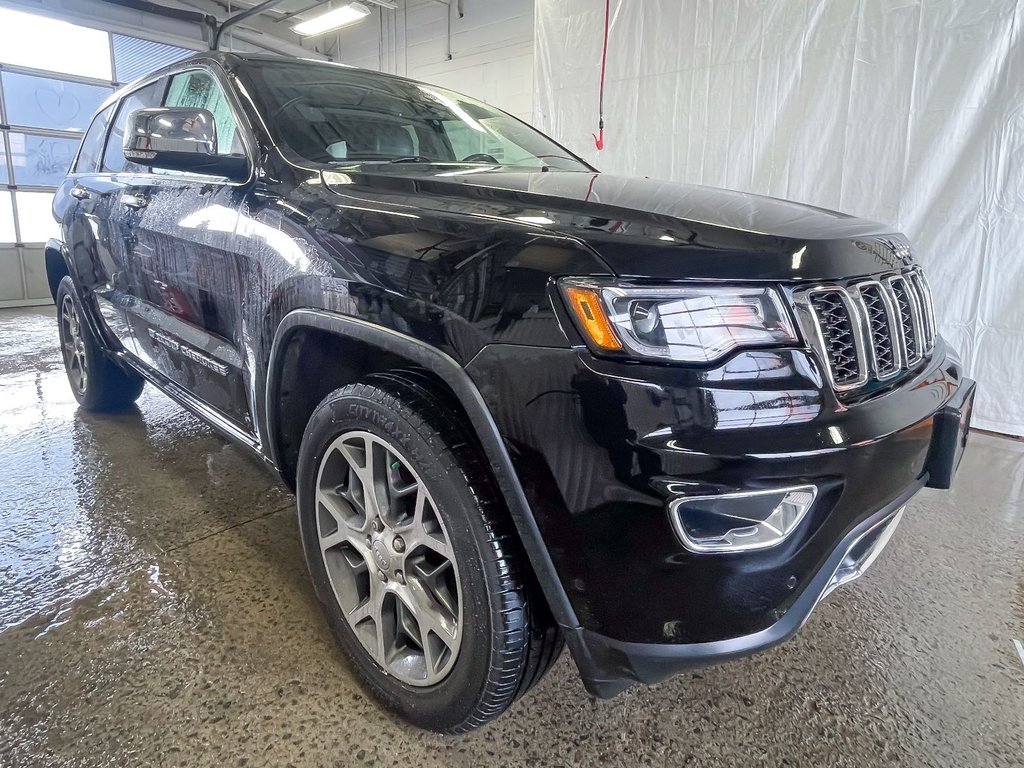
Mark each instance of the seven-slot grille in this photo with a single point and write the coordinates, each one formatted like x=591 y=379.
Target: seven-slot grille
x=872 y=329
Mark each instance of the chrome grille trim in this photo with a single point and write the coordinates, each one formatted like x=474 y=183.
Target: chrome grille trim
x=869 y=329
x=824 y=335
x=910 y=319
x=883 y=331
x=924 y=294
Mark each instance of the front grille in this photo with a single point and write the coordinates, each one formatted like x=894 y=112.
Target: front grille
x=909 y=324
x=871 y=330
x=878 y=315
x=839 y=335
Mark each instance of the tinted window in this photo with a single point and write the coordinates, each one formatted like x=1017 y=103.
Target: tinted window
x=331 y=114
x=113 y=158
x=92 y=143
x=199 y=89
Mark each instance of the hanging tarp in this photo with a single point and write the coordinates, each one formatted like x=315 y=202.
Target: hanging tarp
x=909 y=112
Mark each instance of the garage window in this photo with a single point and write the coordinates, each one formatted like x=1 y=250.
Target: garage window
x=53 y=77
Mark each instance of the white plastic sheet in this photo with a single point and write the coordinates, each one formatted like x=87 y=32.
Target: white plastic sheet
x=909 y=112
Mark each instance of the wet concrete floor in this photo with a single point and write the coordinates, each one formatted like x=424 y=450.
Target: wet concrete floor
x=155 y=610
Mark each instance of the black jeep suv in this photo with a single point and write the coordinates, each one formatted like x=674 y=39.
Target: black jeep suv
x=520 y=402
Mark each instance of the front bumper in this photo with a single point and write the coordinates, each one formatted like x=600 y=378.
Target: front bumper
x=602 y=449
x=613 y=666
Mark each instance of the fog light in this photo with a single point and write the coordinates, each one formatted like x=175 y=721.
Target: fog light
x=741 y=521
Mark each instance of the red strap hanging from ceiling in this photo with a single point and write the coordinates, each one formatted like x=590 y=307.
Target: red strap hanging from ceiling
x=599 y=136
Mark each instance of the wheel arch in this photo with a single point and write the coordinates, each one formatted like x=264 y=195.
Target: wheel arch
x=390 y=350
x=56 y=265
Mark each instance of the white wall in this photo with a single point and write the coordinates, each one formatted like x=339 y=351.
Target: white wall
x=903 y=111
x=491 y=48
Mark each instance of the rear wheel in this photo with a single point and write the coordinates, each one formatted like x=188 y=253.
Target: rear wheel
x=419 y=574
x=97 y=382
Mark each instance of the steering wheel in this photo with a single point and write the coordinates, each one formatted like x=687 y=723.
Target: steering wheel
x=481 y=157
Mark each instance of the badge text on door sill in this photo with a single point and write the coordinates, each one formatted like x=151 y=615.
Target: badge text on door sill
x=185 y=350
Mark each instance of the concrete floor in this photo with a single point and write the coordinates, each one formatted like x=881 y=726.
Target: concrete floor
x=155 y=610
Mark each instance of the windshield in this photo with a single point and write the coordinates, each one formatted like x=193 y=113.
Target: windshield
x=335 y=115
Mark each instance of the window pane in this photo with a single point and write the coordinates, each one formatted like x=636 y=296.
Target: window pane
x=3 y=164
x=44 y=43
x=134 y=58
x=199 y=89
x=41 y=102
x=35 y=216
x=41 y=160
x=113 y=157
x=92 y=144
x=6 y=217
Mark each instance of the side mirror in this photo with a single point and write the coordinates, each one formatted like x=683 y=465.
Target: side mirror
x=179 y=139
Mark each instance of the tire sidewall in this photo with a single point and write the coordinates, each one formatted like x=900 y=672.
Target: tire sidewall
x=446 y=704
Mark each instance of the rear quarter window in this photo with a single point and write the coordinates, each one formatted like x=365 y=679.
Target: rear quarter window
x=89 y=153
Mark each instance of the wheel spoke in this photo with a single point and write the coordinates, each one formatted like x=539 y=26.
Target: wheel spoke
x=333 y=539
x=426 y=531
x=370 y=607
x=407 y=623
x=431 y=616
x=359 y=452
x=341 y=509
x=432 y=580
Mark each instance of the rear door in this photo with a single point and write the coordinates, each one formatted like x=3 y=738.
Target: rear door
x=83 y=204
x=185 y=278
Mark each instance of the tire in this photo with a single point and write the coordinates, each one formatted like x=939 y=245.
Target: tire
x=97 y=382
x=504 y=639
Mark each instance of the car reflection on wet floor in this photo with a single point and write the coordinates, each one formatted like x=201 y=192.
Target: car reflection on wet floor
x=155 y=609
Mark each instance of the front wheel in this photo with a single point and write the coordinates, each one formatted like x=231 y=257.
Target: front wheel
x=97 y=382
x=420 y=576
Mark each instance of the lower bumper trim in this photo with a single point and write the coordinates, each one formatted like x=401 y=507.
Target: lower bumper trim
x=609 y=666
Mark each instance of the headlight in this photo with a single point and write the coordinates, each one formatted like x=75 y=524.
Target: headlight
x=692 y=324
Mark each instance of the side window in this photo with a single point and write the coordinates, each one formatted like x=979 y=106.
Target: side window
x=92 y=143
x=113 y=158
x=198 y=88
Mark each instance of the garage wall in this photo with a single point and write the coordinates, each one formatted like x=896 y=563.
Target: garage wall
x=904 y=111
x=491 y=48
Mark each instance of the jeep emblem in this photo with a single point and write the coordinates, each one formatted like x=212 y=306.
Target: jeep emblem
x=380 y=555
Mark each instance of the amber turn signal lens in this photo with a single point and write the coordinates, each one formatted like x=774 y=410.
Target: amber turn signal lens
x=586 y=304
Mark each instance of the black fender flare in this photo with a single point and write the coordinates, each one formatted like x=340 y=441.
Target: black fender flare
x=481 y=420
x=55 y=255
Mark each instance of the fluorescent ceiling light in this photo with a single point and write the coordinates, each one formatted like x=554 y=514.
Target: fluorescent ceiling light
x=339 y=17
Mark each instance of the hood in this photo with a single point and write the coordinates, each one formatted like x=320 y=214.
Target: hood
x=655 y=229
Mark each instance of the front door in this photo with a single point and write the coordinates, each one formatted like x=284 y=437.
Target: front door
x=184 y=275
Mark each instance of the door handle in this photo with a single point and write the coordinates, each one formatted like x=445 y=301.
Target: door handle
x=79 y=193
x=134 y=200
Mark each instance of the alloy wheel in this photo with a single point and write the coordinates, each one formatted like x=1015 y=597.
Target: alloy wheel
x=73 y=346
x=388 y=558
